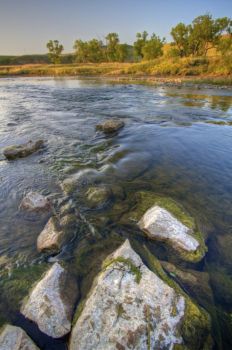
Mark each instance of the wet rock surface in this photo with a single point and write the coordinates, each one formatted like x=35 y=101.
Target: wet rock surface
x=129 y=306
x=97 y=196
x=24 y=150
x=110 y=126
x=158 y=223
x=35 y=201
x=51 y=302
x=51 y=238
x=15 y=338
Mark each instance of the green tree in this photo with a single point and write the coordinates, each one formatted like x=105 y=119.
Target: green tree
x=89 y=51
x=180 y=34
x=81 y=51
x=153 y=48
x=112 y=42
x=139 y=44
x=54 y=51
x=122 y=52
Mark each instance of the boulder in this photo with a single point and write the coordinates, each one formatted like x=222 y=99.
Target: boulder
x=163 y=219
x=24 y=150
x=158 y=223
x=110 y=126
x=131 y=307
x=79 y=180
x=14 y=338
x=51 y=238
x=50 y=304
x=35 y=201
x=97 y=196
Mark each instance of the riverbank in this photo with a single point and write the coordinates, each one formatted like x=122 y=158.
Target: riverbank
x=160 y=71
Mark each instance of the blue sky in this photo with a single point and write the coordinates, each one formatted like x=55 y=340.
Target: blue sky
x=26 y=25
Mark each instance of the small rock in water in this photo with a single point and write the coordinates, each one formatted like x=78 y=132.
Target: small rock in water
x=24 y=150
x=131 y=307
x=35 y=201
x=51 y=238
x=81 y=179
x=158 y=223
x=110 y=126
x=15 y=338
x=51 y=302
x=98 y=196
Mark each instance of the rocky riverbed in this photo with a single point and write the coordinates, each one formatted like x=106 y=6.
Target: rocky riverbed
x=112 y=237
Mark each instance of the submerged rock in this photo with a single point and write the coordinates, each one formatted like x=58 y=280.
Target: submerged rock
x=110 y=126
x=51 y=238
x=163 y=219
x=81 y=179
x=35 y=201
x=97 y=196
x=130 y=307
x=24 y=150
x=14 y=338
x=51 y=302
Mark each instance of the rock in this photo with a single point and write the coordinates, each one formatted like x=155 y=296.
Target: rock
x=51 y=302
x=130 y=307
x=81 y=179
x=110 y=126
x=51 y=238
x=163 y=219
x=158 y=223
x=35 y=201
x=197 y=283
x=14 y=338
x=24 y=150
x=98 y=196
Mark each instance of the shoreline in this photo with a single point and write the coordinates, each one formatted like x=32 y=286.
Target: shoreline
x=186 y=81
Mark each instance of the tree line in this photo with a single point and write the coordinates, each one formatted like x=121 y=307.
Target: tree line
x=195 y=39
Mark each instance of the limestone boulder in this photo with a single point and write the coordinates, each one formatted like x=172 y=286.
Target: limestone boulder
x=111 y=126
x=35 y=201
x=131 y=307
x=24 y=150
x=15 y=338
x=50 y=304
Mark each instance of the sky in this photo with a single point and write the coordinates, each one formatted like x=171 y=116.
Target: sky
x=27 y=25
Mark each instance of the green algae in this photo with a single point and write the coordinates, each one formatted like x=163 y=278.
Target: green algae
x=16 y=286
x=133 y=269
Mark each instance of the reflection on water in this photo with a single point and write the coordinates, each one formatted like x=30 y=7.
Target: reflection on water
x=167 y=147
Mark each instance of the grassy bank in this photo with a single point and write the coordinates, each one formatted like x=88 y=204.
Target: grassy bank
x=210 y=69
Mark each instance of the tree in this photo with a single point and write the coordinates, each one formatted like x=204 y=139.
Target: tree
x=89 y=51
x=55 y=49
x=153 y=48
x=139 y=44
x=112 y=42
x=122 y=52
x=180 y=34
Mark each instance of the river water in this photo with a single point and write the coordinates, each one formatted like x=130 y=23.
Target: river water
x=177 y=142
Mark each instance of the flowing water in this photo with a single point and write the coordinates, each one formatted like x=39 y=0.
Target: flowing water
x=176 y=142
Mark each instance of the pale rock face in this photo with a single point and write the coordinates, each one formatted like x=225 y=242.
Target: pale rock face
x=14 y=338
x=158 y=223
x=50 y=238
x=128 y=309
x=51 y=302
x=34 y=201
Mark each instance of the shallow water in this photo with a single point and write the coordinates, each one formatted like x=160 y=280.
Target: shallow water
x=170 y=145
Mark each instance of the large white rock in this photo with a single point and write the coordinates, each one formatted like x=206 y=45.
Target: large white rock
x=35 y=201
x=14 y=338
x=51 y=238
x=158 y=223
x=51 y=302
x=129 y=307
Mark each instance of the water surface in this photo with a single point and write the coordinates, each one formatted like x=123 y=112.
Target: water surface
x=176 y=142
